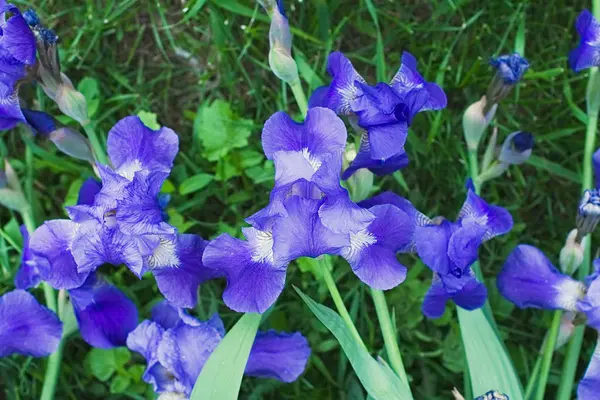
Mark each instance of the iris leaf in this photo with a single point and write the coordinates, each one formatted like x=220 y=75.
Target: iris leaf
x=377 y=378
x=221 y=376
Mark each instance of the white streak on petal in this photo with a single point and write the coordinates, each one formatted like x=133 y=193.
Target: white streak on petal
x=358 y=241
x=569 y=293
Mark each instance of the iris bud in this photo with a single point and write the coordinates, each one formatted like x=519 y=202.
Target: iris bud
x=509 y=71
x=516 y=148
x=360 y=184
x=475 y=121
x=571 y=255
x=280 y=39
x=72 y=143
x=588 y=214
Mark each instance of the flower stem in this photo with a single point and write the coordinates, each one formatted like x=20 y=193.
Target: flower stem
x=567 y=377
x=339 y=304
x=53 y=366
x=548 y=353
x=299 y=96
x=389 y=334
x=99 y=152
x=533 y=378
x=474 y=169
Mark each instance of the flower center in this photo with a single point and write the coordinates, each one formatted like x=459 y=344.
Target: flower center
x=358 y=241
x=165 y=255
x=262 y=244
x=314 y=162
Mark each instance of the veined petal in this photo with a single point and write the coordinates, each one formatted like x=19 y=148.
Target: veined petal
x=475 y=210
x=26 y=327
x=282 y=356
x=51 y=244
x=18 y=38
x=28 y=275
x=590 y=384
x=529 y=279
x=144 y=339
x=88 y=191
x=253 y=281
x=179 y=284
x=587 y=54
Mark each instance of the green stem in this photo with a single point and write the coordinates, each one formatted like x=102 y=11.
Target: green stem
x=299 y=96
x=389 y=334
x=548 y=353
x=567 y=376
x=531 y=384
x=339 y=304
x=53 y=366
x=474 y=169
x=95 y=143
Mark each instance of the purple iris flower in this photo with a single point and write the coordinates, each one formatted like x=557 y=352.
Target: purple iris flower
x=309 y=213
x=450 y=248
x=176 y=346
x=122 y=221
x=587 y=54
x=17 y=53
x=383 y=111
x=529 y=279
x=26 y=327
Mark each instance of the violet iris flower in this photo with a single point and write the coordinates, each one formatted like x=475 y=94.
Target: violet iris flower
x=450 y=248
x=309 y=213
x=176 y=346
x=529 y=279
x=384 y=111
x=587 y=54
x=26 y=327
x=17 y=54
x=122 y=221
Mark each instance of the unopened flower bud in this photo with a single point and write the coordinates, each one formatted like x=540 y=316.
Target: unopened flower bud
x=39 y=121
x=72 y=103
x=588 y=214
x=509 y=71
x=280 y=53
x=11 y=194
x=3 y=180
x=475 y=122
x=72 y=143
x=566 y=329
x=516 y=148
x=571 y=255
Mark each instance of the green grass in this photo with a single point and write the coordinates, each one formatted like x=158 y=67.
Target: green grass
x=137 y=51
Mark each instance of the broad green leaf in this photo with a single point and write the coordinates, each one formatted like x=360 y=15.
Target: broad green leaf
x=220 y=130
x=221 y=376
x=149 y=119
x=195 y=183
x=73 y=193
x=488 y=362
x=103 y=363
x=377 y=378
x=119 y=384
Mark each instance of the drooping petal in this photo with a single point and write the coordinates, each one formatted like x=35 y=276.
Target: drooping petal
x=372 y=252
x=472 y=296
x=529 y=279
x=590 y=304
x=104 y=313
x=342 y=215
x=434 y=303
x=51 y=244
x=464 y=243
x=378 y=167
x=432 y=246
x=387 y=140
x=496 y=220
x=301 y=233
x=184 y=349
x=133 y=147
x=510 y=68
x=587 y=54
x=179 y=284
x=596 y=162
x=408 y=78
x=253 y=281
x=39 y=121
x=282 y=356
x=97 y=244
x=145 y=338
x=590 y=384
x=28 y=275
x=26 y=327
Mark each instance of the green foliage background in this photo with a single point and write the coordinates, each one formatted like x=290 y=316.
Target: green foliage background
x=201 y=67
